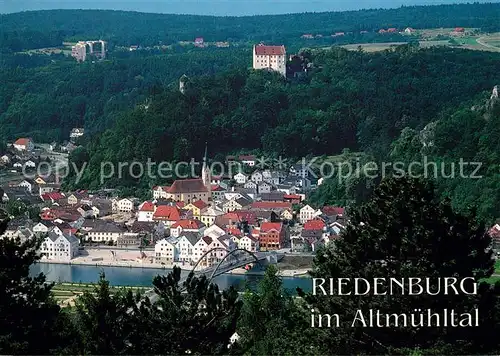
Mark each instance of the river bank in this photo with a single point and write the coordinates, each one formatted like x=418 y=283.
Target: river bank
x=238 y=271
x=289 y=267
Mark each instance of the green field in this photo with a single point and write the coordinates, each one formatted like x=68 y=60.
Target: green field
x=65 y=293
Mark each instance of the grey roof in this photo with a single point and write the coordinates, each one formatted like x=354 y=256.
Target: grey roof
x=102 y=226
x=311 y=233
x=273 y=196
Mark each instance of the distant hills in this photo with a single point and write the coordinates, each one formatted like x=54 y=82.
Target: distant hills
x=35 y=29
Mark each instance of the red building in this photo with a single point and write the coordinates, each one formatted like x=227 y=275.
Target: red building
x=272 y=236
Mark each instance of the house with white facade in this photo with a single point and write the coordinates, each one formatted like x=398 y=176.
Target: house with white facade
x=185 y=246
x=24 y=144
x=270 y=58
x=247 y=242
x=125 y=205
x=146 y=212
x=256 y=177
x=28 y=184
x=264 y=188
x=104 y=232
x=240 y=178
x=200 y=248
x=59 y=247
x=306 y=213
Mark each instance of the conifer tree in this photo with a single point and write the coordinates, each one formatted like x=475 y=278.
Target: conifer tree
x=402 y=232
x=29 y=315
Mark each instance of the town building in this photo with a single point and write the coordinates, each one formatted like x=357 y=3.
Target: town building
x=24 y=144
x=272 y=236
x=87 y=49
x=59 y=247
x=270 y=57
x=146 y=212
x=165 y=251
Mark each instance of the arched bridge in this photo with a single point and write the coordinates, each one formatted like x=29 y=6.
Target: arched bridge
x=233 y=259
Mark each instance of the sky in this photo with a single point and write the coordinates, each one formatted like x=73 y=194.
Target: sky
x=216 y=7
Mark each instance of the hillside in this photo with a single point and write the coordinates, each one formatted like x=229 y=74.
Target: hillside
x=36 y=29
x=352 y=100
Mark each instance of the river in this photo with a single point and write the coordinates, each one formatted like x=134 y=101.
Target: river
x=124 y=276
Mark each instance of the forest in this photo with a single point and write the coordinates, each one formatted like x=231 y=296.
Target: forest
x=37 y=29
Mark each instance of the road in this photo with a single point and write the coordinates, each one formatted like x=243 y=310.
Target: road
x=481 y=40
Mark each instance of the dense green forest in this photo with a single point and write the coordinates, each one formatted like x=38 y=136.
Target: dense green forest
x=50 y=28
x=46 y=96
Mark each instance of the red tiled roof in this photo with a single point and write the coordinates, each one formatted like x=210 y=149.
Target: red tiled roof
x=52 y=196
x=233 y=231
x=392 y=29
x=217 y=188
x=200 y=204
x=255 y=232
x=188 y=224
x=167 y=212
x=316 y=224
x=261 y=50
x=271 y=205
x=147 y=206
x=268 y=226
x=22 y=141
x=180 y=204
x=459 y=29
x=246 y=158
x=187 y=186
x=292 y=196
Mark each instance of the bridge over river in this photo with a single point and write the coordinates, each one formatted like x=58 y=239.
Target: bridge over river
x=233 y=259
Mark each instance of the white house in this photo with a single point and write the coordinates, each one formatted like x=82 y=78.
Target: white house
x=264 y=187
x=160 y=192
x=185 y=247
x=256 y=177
x=201 y=247
x=41 y=228
x=27 y=184
x=250 y=185
x=270 y=58
x=306 y=214
x=29 y=164
x=248 y=160
x=240 y=178
x=105 y=232
x=247 y=242
x=214 y=231
x=165 y=251
x=146 y=212
x=125 y=205
x=59 y=247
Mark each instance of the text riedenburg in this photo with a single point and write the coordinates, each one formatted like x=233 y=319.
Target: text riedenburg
x=412 y=286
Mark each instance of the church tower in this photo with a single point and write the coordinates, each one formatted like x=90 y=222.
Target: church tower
x=206 y=174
